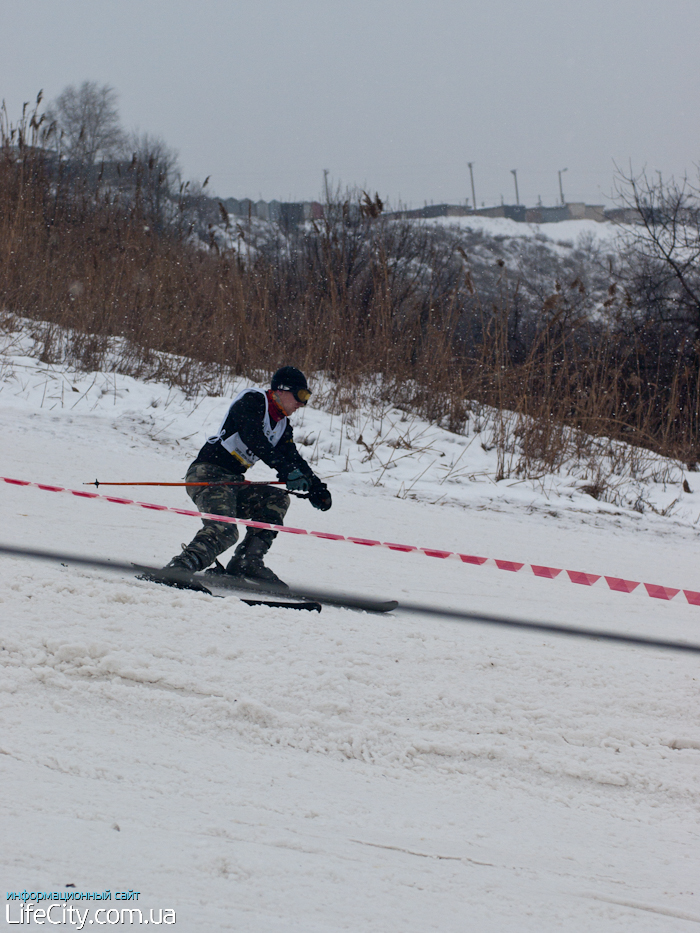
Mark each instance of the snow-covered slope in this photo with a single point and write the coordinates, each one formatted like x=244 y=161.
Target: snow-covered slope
x=265 y=770
x=564 y=232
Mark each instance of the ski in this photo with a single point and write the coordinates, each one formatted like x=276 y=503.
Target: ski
x=167 y=577
x=217 y=580
x=283 y=604
x=185 y=581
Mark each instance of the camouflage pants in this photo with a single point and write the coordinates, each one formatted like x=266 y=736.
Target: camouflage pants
x=257 y=503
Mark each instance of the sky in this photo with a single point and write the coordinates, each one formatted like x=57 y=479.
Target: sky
x=392 y=96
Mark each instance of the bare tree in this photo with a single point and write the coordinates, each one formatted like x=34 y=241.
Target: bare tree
x=153 y=171
x=663 y=250
x=87 y=122
x=154 y=154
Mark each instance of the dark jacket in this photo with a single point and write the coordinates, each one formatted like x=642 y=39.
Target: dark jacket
x=245 y=416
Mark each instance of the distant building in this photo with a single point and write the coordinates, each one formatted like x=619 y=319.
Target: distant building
x=289 y=213
x=246 y=208
x=511 y=211
x=293 y=213
x=623 y=215
x=518 y=212
x=431 y=211
x=580 y=211
x=456 y=210
x=546 y=215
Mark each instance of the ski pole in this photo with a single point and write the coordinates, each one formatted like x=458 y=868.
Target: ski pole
x=244 y=482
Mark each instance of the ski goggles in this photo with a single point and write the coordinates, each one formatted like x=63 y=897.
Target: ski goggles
x=301 y=395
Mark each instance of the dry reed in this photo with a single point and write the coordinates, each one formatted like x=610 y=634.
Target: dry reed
x=379 y=307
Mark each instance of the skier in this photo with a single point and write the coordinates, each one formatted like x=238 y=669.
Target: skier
x=256 y=427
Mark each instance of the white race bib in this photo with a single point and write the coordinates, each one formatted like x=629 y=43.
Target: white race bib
x=235 y=445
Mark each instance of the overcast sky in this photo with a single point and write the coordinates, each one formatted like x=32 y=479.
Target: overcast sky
x=390 y=95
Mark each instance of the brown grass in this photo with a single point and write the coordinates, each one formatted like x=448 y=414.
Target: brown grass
x=375 y=305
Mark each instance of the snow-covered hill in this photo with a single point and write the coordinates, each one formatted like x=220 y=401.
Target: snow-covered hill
x=536 y=256
x=265 y=770
x=565 y=234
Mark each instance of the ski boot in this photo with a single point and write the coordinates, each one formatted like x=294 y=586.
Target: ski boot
x=247 y=564
x=178 y=573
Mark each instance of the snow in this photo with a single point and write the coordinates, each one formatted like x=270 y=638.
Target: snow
x=271 y=770
x=570 y=232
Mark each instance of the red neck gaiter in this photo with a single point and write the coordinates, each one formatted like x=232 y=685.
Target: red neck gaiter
x=276 y=413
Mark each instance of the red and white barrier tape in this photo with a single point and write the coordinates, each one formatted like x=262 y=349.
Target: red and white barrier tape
x=617 y=584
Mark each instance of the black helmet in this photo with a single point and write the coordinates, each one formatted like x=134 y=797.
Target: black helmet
x=290 y=379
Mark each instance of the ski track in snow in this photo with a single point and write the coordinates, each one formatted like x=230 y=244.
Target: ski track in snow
x=268 y=770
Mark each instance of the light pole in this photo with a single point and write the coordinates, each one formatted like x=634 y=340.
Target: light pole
x=471 y=175
x=514 y=173
x=561 y=190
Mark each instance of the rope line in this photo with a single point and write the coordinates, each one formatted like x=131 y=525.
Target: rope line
x=616 y=584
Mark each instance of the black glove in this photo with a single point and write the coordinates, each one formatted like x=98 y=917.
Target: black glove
x=319 y=497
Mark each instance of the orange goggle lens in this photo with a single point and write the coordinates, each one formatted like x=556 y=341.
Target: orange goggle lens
x=302 y=395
